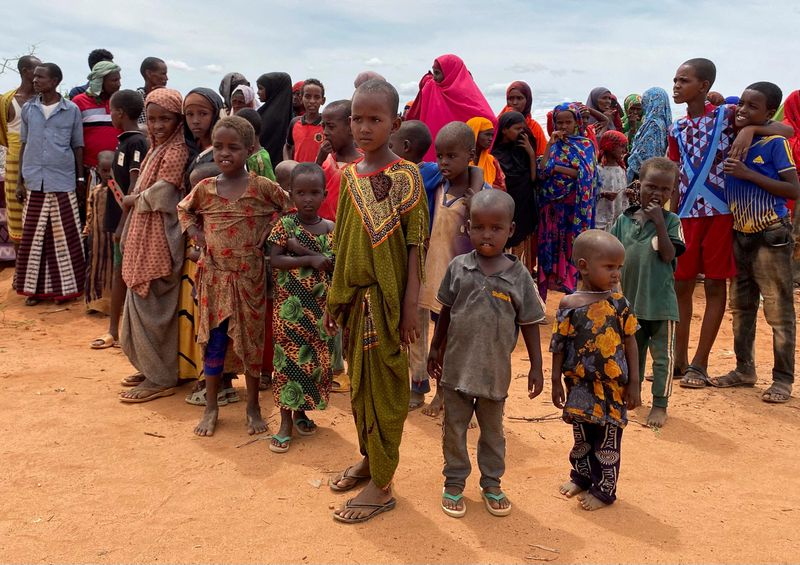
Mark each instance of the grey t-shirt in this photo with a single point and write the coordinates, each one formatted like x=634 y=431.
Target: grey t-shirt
x=485 y=315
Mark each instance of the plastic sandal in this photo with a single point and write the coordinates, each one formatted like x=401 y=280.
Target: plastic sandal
x=455 y=498
x=487 y=496
x=311 y=427
x=280 y=439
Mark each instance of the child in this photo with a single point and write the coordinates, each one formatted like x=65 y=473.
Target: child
x=228 y=217
x=455 y=150
x=758 y=189
x=302 y=260
x=306 y=131
x=653 y=239
x=700 y=143
x=482 y=287
x=381 y=224
x=259 y=162
x=595 y=349
x=126 y=107
x=101 y=244
x=283 y=174
x=611 y=200
x=519 y=98
x=338 y=150
x=483 y=130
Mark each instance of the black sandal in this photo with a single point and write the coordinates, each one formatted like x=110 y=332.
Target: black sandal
x=694 y=377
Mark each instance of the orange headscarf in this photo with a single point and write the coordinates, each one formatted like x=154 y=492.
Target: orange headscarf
x=533 y=125
x=485 y=159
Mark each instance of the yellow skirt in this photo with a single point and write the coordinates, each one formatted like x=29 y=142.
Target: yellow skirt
x=190 y=353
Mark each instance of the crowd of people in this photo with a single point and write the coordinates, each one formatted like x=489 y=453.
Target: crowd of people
x=308 y=245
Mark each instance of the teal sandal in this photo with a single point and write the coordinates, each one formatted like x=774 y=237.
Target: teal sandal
x=311 y=427
x=280 y=439
x=487 y=496
x=455 y=498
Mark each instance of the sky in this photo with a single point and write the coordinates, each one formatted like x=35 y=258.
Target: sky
x=562 y=49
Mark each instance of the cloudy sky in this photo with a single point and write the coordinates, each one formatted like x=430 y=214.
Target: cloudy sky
x=562 y=49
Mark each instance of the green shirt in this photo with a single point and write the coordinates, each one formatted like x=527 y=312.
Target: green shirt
x=648 y=282
x=260 y=164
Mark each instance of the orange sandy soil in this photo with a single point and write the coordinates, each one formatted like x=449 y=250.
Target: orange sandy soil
x=82 y=480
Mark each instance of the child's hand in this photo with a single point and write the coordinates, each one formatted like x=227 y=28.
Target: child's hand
x=558 y=396
x=632 y=396
x=321 y=263
x=329 y=324
x=435 y=364
x=741 y=145
x=535 y=382
x=325 y=149
x=735 y=168
x=294 y=246
x=654 y=213
x=525 y=143
x=129 y=200
x=559 y=135
x=409 y=325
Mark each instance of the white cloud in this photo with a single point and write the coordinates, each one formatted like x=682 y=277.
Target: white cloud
x=496 y=88
x=533 y=67
x=213 y=68
x=178 y=65
x=373 y=62
x=410 y=88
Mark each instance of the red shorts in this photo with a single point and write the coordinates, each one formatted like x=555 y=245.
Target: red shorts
x=709 y=248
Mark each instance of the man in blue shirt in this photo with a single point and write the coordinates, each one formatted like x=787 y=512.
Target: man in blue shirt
x=50 y=262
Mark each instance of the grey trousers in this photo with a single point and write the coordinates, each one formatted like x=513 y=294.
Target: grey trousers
x=458 y=410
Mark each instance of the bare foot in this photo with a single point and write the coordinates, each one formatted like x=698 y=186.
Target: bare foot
x=371 y=495
x=657 y=417
x=591 y=502
x=417 y=401
x=436 y=405
x=570 y=489
x=207 y=423
x=255 y=422
x=351 y=476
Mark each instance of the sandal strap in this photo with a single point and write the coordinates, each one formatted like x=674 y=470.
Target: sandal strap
x=453 y=497
x=282 y=439
x=496 y=497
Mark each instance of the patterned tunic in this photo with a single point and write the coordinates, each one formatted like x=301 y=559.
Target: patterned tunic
x=302 y=361
x=595 y=368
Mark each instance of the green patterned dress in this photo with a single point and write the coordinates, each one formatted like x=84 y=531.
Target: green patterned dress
x=302 y=376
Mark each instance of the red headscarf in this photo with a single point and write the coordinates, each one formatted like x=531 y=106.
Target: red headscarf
x=456 y=98
x=610 y=140
x=791 y=116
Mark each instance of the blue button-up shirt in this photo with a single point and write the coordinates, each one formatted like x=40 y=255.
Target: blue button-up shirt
x=48 y=163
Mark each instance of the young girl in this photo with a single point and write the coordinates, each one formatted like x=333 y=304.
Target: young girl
x=612 y=200
x=149 y=330
x=519 y=98
x=101 y=244
x=594 y=347
x=228 y=217
x=243 y=97
x=302 y=260
x=569 y=170
x=484 y=136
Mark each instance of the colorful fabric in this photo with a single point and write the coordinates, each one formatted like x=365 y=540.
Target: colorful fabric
x=260 y=164
x=100 y=270
x=306 y=139
x=754 y=208
x=50 y=262
x=612 y=180
x=595 y=368
x=99 y=72
x=99 y=134
x=629 y=127
x=486 y=161
x=248 y=93
x=10 y=139
x=333 y=180
x=539 y=138
x=379 y=216
x=302 y=361
x=700 y=147
x=276 y=113
x=651 y=137
x=456 y=98
x=791 y=116
x=609 y=141
x=231 y=270
x=190 y=353
x=595 y=459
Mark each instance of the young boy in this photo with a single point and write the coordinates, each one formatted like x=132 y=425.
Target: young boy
x=381 y=223
x=652 y=238
x=758 y=188
x=259 y=162
x=100 y=243
x=482 y=287
x=306 y=131
x=126 y=106
x=283 y=174
x=700 y=143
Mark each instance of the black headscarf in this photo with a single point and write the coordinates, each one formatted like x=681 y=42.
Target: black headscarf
x=194 y=149
x=276 y=113
x=229 y=84
x=516 y=165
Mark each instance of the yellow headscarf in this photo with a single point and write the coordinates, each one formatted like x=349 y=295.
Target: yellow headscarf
x=485 y=159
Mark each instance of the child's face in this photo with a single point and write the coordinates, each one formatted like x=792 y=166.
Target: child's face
x=489 y=229
x=312 y=98
x=687 y=86
x=297 y=99
x=161 y=123
x=104 y=169
x=237 y=102
x=656 y=187
x=452 y=158
x=336 y=129
x=117 y=117
x=511 y=133
x=752 y=109
x=230 y=151
x=516 y=100
x=308 y=193
x=400 y=146
x=618 y=153
x=565 y=121
x=603 y=269
x=372 y=120
x=262 y=93
x=199 y=119
x=484 y=140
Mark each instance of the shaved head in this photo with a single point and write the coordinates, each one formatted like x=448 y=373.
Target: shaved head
x=595 y=243
x=457 y=133
x=492 y=199
x=364 y=76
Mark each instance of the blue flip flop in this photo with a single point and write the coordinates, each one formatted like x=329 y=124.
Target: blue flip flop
x=311 y=427
x=280 y=439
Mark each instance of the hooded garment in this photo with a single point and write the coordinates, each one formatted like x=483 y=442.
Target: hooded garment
x=539 y=137
x=228 y=84
x=651 y=137
x=249 y=96
x=276 y=113
x=593 y=102
x=486 y=161
x=211 y=100
x=99 y=72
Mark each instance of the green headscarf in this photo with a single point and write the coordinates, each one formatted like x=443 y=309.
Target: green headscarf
x=630 y=100
x=99 y=72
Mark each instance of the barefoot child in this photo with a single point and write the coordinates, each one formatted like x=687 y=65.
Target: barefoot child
x=101 y=246
x=259 y=162
x=594 y=348
x=306 y=132
x=653 y=239
x=228 y=216
x=758 y=188
x=302 y=262
x=611 y=200
x=483 y=292
x=381 y=223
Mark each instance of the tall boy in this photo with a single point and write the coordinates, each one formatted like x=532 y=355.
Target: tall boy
x=483 y=287
x=652 y=238
x=381 y=223
x=758 y=188
x=306 y=132
x=700 y=143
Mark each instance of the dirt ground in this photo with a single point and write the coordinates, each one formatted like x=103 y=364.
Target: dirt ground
x=84 y=478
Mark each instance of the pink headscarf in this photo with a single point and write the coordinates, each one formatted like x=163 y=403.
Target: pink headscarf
x=456 y=98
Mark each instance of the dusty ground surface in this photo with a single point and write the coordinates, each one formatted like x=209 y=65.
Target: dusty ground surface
x=82 y=479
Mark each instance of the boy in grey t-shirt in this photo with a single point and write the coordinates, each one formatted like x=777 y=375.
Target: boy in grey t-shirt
x=486 y=298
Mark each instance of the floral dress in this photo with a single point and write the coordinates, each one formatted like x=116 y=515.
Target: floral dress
x=595 y=368
x=302 y=376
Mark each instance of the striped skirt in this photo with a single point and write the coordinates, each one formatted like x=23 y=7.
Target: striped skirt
x=50 y=261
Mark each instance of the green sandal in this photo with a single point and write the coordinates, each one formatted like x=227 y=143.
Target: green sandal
x=487 y=496
x=455 y=498
x=280 y=439
x=311 y=427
